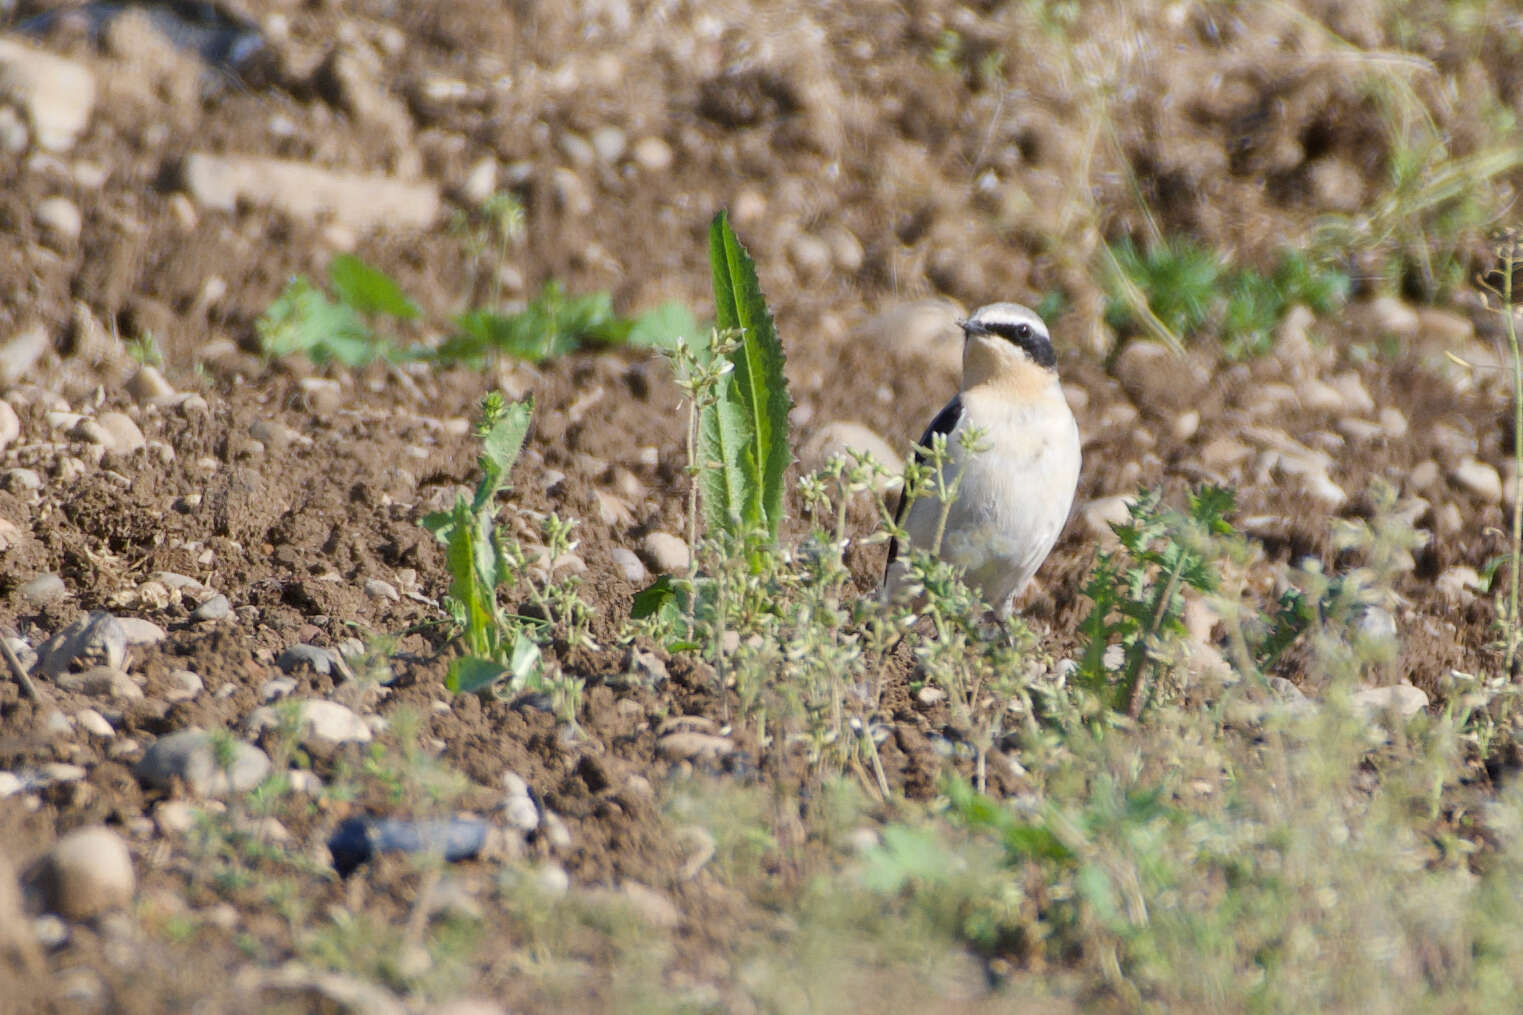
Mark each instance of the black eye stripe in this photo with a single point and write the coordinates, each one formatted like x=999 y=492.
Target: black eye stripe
x=1037 y=345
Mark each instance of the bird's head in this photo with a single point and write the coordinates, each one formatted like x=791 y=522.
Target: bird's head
x=1006 y=343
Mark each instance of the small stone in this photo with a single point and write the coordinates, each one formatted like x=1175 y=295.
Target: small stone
x=184 y=685
x=1390 y=316
x=94 y=723
x=1222 y=453
x=689 y=746
x=215 y=608
x=57 y=95
x=1444 y=328
x=1478 y=478
x=1459 y=583
x=1186 y=424
x=148 y=386
x=123 y=435
x=648 y=669
x=88 y=873
x=174 y=817
x=276 y=688
x=609 y=143
x=101 y=682
x=43 y=590
x=375 y=588
x=811 y=256
x=10 y=425
x=923 y=333
x=1404 y=699
x=1424 y=476
x=629 y=565
x=95 y=639
x=521 y=814
x=321 y=660
x=653 y=155
x=844 y=437
x=1103 y=512
x=20 y=354
x=22 y=480
x=930 y=695
x=59 y=221
x=554 y=830
x=306 y=192
x=142 y=632
x=10 y=785
x=480 y=181
x=666 y=553
x=324 y=724
x=190 y=756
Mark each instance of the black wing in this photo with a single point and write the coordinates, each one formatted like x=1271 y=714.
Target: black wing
x=945 y=420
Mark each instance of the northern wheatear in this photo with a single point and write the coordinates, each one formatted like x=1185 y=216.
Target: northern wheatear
x=1018 y=483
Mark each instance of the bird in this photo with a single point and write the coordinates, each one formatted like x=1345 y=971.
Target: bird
x=1017 y=483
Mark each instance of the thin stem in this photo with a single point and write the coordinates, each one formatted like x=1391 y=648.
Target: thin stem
x=1140 y=678
x=1509 y=261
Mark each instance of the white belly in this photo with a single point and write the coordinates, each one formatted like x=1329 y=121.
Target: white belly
x=1012 y=501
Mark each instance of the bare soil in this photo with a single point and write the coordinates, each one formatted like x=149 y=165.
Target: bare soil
x=859 y=174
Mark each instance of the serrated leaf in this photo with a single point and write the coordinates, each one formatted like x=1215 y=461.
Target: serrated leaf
x=368 y=290
x=746 y=430
x=500 y=448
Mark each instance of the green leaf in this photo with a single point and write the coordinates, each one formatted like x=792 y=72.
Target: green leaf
x=746 y=431
x=304 y=320
x=500 y=446
x=368 y=290
x=658 y=599
x=660 y=328
x=472 y=673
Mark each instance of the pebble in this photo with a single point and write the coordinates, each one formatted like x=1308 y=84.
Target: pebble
x=1100 y=513
x=664 y=552
x=94 y=723
x=609 y=143
x=1404 y=699
x=188 y=755
x=321 y=660
x=653 y=906
x=629 y=564
x=843 y=437
x=324 y=724
x=20 y=354
x=653 y=154
x=688 y=746
x=141 y=632
x=296 y=988
x=123 y=435
x=215 y=608
x=10 y=425
x=1424 y=476
x=1478 y=478
x=97 y=638
x=148 y=386
x=184 y=685
x=22 y=480
x=305 y=192
x=59 y=220
x=57 y=95
x=87 y=873
x=1459 y=583
x=277 y=687
x=521 y=813
x=174 y=817
x=10 y=785
x=375 y=588
x=1390 y=316
x=43 y=590
x=101 y=682
x=1186 y=424
x=921 y=333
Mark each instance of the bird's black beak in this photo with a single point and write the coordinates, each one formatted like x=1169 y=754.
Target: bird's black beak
x=969 y=328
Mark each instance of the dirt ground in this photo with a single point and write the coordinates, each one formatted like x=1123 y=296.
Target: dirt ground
x=868 y=163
